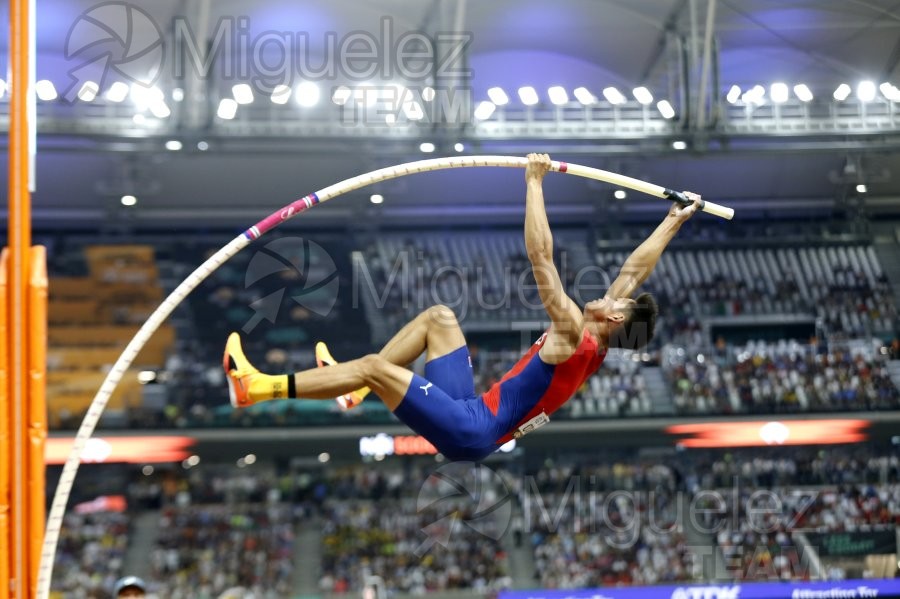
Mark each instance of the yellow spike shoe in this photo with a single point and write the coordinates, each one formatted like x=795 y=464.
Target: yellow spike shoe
x=239 y=372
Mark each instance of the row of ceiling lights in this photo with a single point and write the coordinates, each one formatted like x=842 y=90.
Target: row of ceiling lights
x=559 y=96
x=308 y=94
x=866 y=91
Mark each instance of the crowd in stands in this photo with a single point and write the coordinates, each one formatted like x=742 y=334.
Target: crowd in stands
x=413 y=551
x=611 y=517
x=801 y=467
x=204 y=550
x=411 y=527
x=783 y=377
x=758 y=544
x=605 y=520
x=758 y=539
x=90 y=554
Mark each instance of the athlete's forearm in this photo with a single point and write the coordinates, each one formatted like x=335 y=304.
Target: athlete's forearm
x=538 y=238
x=643 y=259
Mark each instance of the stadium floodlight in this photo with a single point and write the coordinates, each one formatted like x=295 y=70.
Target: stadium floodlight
x=88 y=91
x=528 y=95
x=227 y=109
x=842 y=92
x=307 y=94
x=160 y=110
x=779 y=93
x=890 y=91
x=613 y=96
x=679 y=145
x=45 y=90
x=173 y=145
x=484 y=110
x=558 y=95
x=803 y=93
x=865 y=91
x=665 y=109
x=498 y=96
x=145 y=96
x=426 y=147
x=642 y=95
x=583 y=95
x=734 y=94
x=243 y=93
x=755 y=95
x=117 y=92
x=280 y=94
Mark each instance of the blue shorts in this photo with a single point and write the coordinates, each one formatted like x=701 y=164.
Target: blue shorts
x=443 y=408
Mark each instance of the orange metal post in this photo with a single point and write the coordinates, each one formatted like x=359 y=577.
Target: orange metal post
x=5 y=442
x=17 y=290
x=36 y=418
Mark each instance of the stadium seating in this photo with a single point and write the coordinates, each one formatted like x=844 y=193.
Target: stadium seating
x=844 y=286
x=92 y=317
x=204 y=550
x=782 y=377
x=387 y=537
x=90 y=554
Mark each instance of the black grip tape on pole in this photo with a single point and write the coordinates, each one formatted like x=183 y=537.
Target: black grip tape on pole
x=681 y=199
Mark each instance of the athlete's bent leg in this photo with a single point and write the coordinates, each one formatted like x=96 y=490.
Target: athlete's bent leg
x=247 y=385
x=388 y=380
x=435 y=331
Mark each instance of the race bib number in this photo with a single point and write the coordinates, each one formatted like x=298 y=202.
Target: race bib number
x=532 y=425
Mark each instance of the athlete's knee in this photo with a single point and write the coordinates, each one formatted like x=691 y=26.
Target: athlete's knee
x=372 y=368
x=440 y=316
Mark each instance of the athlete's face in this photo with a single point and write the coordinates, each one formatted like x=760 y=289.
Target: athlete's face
x=608 y=309
x=604 y=315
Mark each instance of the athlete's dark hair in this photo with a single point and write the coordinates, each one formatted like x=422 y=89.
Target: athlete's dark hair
x=637 y=329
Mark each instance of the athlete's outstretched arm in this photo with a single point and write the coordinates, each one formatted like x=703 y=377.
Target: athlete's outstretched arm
x=565 y=315
x=643 y=260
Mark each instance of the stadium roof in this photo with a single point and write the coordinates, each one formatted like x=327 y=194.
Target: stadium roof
x=592 y=43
